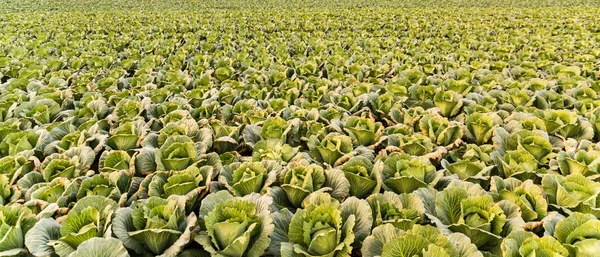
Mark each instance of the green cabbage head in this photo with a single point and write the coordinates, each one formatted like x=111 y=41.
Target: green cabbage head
x=154 y=226
x=526 y=194
x=524 y=243
x=177 y=153
x=235 y=226
x=403 y=173
x=571 y=193
x=273 y=128
x=90 y=217
x=466 y=208
x=402 y=211
x=331 y=148
x=364 y=131
x=273 y=150
x=363 y=179
x=427 y=241
x=326 y=228
x=15 y=222
x=249 y=177
x=481 y=126
x=580 y=234
x=301 y=179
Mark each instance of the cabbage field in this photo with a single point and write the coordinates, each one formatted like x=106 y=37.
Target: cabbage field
x=289 y=128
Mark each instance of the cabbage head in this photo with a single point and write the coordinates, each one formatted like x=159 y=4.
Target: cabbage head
x=154 y=226
x=323 y=227
x=90 y=217
x=15 y=222
x=235 y=226
x=427 y=241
